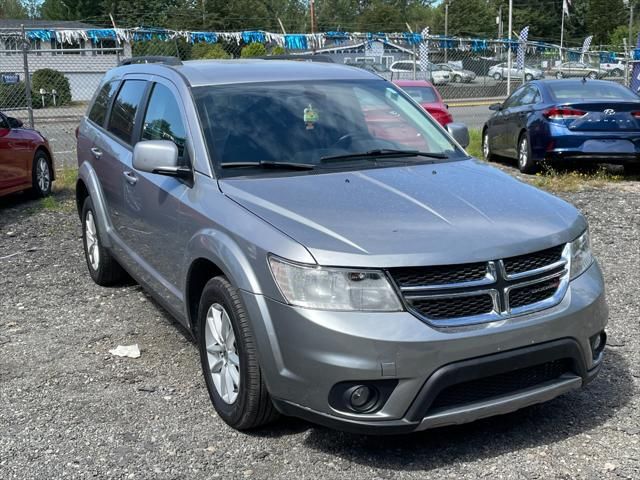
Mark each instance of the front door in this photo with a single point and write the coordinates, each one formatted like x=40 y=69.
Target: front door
x=153 y=209
x=14 y=156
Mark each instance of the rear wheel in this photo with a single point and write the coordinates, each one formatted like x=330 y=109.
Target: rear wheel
x=559 y=75
x=593 y=75
x=528 y=77
x=41 y=175
x=229 y=358
x=497 y=76
x=486 y=149
x=457 y=79
x=103 y=268
x=616 y=72
x=526 y=164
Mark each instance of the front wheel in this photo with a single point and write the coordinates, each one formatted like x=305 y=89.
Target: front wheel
x=497 y=77
x=526 y=164
x=457 y=79
x=486 y=149
x=41 y=175
x=559 y=75
x=616 y=72
x=528 y=77
x=593 y=75
x=229 y=358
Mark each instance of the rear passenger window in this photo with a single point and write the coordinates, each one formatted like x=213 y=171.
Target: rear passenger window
x=99 y=109
x=163 y=120
x=123 y=112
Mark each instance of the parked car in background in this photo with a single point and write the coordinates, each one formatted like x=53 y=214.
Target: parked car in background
x=613 y=69
x=370 y=67
x=575 y=69
x=404 y=69
x=367 y=278
x=26 y=162
x=456 y=73
x=428 y=97
x=499 y=72
x=566 y=120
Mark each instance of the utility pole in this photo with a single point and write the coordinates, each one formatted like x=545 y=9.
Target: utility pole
x=509 y=50
x=312 y=13
x=446 y=28
x=631 y=6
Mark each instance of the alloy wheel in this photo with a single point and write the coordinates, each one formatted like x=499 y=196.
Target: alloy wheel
x=222 y=353
x=93 y=244
x=523 y=153
x=43 y=175
x=485 y=146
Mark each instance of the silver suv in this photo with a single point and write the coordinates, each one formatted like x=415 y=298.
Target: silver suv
x=335 y=252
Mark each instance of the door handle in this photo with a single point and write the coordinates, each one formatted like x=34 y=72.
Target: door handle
x=130 y=177
x=97 y=153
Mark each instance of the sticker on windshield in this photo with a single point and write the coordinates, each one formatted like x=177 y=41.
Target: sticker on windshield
x=310 y=117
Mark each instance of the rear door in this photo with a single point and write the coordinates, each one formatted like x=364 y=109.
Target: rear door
x=14 y=156
x=113 y=150
x=152 y=210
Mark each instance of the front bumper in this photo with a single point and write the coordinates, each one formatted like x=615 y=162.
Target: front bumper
x=304 y=353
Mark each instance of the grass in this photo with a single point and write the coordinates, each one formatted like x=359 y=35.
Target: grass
x=65 y=179
x=553 y=179
x=60 y=199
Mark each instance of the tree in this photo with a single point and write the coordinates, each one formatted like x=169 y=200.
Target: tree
x=253 y=50
x=603 y=16
x=210 y=51
x=70 y=9
x=12 y=9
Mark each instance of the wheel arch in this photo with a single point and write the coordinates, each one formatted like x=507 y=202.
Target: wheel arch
x=200 y=272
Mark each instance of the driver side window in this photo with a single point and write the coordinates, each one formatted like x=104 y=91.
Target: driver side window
x=515 y=100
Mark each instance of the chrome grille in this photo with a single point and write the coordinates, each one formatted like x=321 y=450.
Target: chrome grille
x=467 y=294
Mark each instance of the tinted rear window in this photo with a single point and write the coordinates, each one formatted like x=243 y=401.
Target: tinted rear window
x=125 y=107
x=590 y=91
x=99 y=109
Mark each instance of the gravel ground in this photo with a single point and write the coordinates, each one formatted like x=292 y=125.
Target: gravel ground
x=70 y=409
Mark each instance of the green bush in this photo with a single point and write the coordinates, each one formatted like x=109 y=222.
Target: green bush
x=277 y=50
x=50 y=79
x=208 y=51
x=13 y=95
x=254 y=49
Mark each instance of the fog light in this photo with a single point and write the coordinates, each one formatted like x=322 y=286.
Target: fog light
x=597 y=344
x=362 y=398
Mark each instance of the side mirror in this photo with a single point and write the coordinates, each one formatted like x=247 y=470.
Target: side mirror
x=14 y=122
x=460 y=133
x=496 y=107
x=159 y=157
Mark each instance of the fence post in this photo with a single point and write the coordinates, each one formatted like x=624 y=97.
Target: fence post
x=27 y=78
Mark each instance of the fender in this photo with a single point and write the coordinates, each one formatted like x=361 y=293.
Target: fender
x=88 y=175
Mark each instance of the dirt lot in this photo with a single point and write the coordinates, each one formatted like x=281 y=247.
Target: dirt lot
x=70 y=409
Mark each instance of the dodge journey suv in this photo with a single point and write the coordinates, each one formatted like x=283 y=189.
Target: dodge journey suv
x=335 y=252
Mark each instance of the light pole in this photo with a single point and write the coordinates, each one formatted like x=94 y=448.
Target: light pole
x=509 y=48
x=446 y=27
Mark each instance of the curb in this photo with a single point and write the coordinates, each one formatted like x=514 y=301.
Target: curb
x=478 y=103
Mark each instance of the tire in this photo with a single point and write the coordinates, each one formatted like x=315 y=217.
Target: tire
x=247 y=404
x=528 y=77
x=486 y=150
x=103 y=268
x=593 y=75
x=559 y=75
x=525 y=163
x=457 y=79
x=497 y=77
x=616 y=72
x=41 y=175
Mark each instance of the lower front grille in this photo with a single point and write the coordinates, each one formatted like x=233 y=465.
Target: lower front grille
x=454 y=307
x=499 y=385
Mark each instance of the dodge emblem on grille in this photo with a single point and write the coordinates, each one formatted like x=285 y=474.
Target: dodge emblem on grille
x=609 y=111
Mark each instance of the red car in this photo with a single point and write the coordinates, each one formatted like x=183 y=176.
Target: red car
x=26 y=162
x=428 y=97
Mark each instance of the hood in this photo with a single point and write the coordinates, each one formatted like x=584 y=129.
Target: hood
x=447 y=213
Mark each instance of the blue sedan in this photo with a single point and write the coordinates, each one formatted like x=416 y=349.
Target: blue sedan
x=561 y=120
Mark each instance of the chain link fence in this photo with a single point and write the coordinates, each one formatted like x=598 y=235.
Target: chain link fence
x=48 y=84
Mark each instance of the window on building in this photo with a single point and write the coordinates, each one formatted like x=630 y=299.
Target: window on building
x=66 y=48
x=13 y=45
x=104 y=46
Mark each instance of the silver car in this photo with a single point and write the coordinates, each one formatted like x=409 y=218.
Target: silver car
x=335 y=253
x=403 y=70
x=500 y=72
x=576 y=69
x=457 y=74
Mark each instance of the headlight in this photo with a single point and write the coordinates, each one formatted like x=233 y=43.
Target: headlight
x=581 y=256
x=334 y=288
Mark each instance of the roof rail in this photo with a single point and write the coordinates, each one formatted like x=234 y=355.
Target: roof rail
x=151 y=59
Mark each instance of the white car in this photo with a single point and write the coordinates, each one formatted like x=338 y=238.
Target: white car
x=614 y=69
x=499 y=72
x=402 y=69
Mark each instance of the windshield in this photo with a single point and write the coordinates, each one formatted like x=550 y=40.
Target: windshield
x=303 y=122
x=591 y=91
x=422 y=94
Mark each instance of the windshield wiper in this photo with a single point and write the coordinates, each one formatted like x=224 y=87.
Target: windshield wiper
x=268 y=164
x=383 y=153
